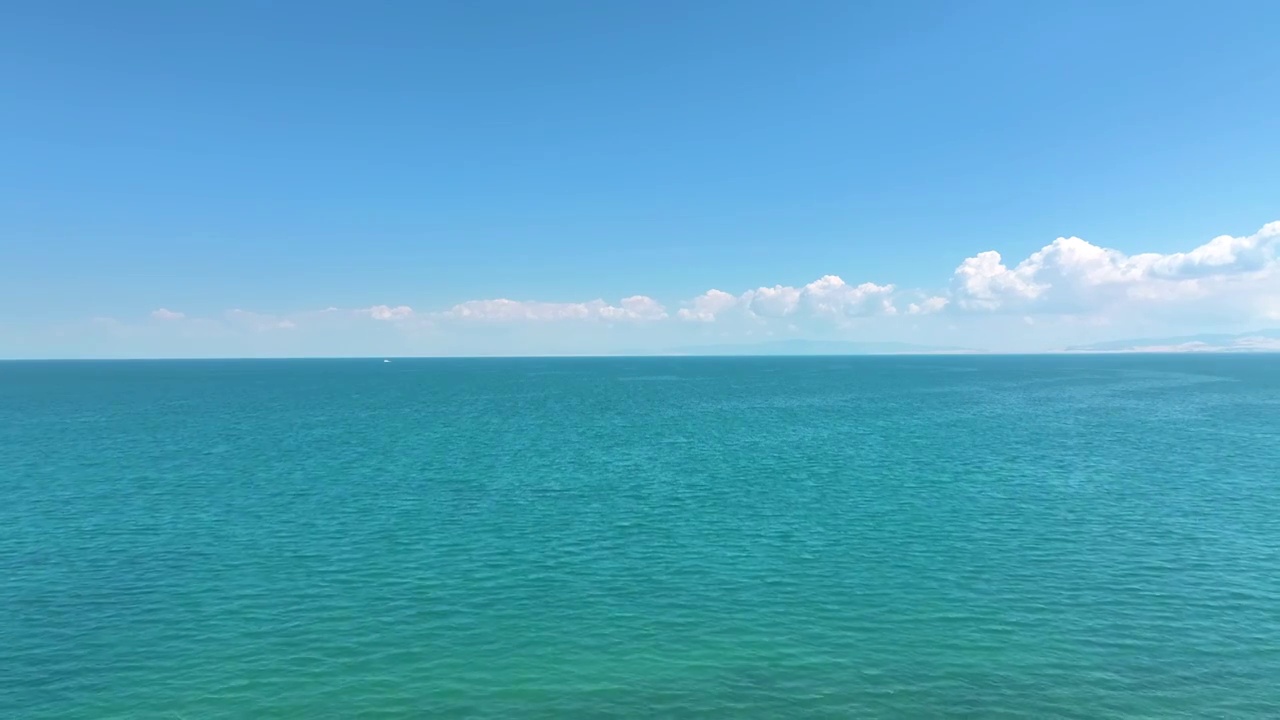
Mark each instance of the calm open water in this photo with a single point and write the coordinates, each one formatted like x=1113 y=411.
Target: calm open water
x=1031 y=537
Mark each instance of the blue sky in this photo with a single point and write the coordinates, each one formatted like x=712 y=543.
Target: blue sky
x=413 y=178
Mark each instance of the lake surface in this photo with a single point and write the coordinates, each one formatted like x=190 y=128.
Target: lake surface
x=897 y=537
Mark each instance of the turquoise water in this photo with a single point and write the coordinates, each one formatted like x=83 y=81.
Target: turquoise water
x=1044 y=537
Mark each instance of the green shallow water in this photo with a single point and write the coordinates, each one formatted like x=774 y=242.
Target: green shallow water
x=1076 y=537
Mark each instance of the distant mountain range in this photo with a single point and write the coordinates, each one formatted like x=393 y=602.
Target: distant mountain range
x=1259 y=341
x=815 y=347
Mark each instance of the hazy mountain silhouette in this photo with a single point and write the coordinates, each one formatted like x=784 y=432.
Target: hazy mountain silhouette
x=814 y=347
x=1257 y=341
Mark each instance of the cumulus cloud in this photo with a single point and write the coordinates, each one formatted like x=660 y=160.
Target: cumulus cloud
x=1071 y=279
x=637 y=308
x=1067 y=276
x=1222 y=255
x=707 y=306
x=928 y=306
x=386 y=312
x=1073 y=275
x=828 y=295
x=776 y=301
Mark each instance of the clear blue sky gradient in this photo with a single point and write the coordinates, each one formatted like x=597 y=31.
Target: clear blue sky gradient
x=286 y=157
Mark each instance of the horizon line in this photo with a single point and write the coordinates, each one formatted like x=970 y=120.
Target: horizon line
x=635 y=356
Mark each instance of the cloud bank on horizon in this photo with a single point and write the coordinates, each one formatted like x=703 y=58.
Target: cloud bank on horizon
x=1228 y=278
x=1069 y=275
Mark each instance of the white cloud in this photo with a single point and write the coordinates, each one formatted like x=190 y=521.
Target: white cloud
x=386 y=312
x=637 y=308
x=1073 y=275
x=1220 y=256
x=928 y=306
x=982 y=282
x=707 y=306
x=1069 y=283
x=828 y=295
x=776 y=301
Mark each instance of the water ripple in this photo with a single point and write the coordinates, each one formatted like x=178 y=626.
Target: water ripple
x=899 y=537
